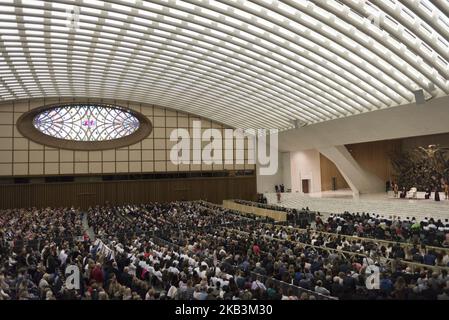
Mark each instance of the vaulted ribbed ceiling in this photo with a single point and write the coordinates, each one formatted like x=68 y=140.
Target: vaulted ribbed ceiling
x=247 y=64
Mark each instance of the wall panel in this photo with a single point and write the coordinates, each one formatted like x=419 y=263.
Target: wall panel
x=88 y=194
x=374 y=157
x=328 y=171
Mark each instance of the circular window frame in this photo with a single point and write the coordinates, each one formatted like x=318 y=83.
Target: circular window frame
x=26 y=127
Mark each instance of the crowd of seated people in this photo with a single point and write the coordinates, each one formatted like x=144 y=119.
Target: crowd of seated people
x=429 y=232
x=152 y=217
x=35 y=246
x=344 y=277
x=261 y=198
x=368 y=247
x=28 y=225
x=192 y=250
x=198 y=270
x=287 y=262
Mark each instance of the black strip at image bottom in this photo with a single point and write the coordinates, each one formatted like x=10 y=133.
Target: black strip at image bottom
x=260 y=309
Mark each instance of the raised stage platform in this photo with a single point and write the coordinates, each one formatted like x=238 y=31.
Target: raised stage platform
x=382 y=204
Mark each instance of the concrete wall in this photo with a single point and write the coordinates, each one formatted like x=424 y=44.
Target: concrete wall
x=409 y=120
x=286 y=170
x=305 y=165
x=21 y=157
x=359 y=180
x=265 y=184
x=293 y=166
x=328 y=171
x=429 y=122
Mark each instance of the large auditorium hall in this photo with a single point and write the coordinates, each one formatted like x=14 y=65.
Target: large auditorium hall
x=223 y=157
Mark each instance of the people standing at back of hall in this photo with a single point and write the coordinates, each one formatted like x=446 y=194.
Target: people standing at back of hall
x=403 y=193
x=395 y=189
x=278 y=195
x=428 y=193
x=446 y=191
x=279 y=188
x=437 y=194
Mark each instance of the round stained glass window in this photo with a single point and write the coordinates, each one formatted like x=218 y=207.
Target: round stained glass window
x=84 y=126
x=86 y=123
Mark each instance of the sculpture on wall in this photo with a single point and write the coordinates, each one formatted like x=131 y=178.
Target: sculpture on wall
x=423 y=167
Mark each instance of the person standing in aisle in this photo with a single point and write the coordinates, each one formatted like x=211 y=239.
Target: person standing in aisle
x=396 y=190
x=446 y=191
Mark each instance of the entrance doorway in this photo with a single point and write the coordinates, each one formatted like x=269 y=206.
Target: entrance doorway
x=305 y=186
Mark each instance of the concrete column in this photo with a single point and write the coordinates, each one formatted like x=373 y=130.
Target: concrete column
x=265 y=184
x=286 y=170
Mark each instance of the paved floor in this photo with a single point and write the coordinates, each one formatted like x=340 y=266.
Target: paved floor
x=86 y=228
x=382 y=204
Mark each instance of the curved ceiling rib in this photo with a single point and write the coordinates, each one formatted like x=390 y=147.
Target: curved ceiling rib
x=247 y=64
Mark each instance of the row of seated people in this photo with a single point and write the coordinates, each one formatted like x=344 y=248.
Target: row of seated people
x=294 y=216
x=161 y=217
x=28 y=225
x=413 y=247
x=158 y=216
x=432 y=232
x=429 y=232
x=263 y=205
x=210 y=261
x=291 y=212
x=368 y=247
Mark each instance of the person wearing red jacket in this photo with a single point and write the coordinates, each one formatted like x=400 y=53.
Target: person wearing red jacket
x=97 y=274
x=256 y=249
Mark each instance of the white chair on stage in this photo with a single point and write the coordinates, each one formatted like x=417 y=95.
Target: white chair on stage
x=411 y=194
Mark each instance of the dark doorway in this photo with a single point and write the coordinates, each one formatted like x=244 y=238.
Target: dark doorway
x=305 y=186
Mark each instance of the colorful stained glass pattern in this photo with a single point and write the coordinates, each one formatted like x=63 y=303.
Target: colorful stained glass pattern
x=86 y=123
